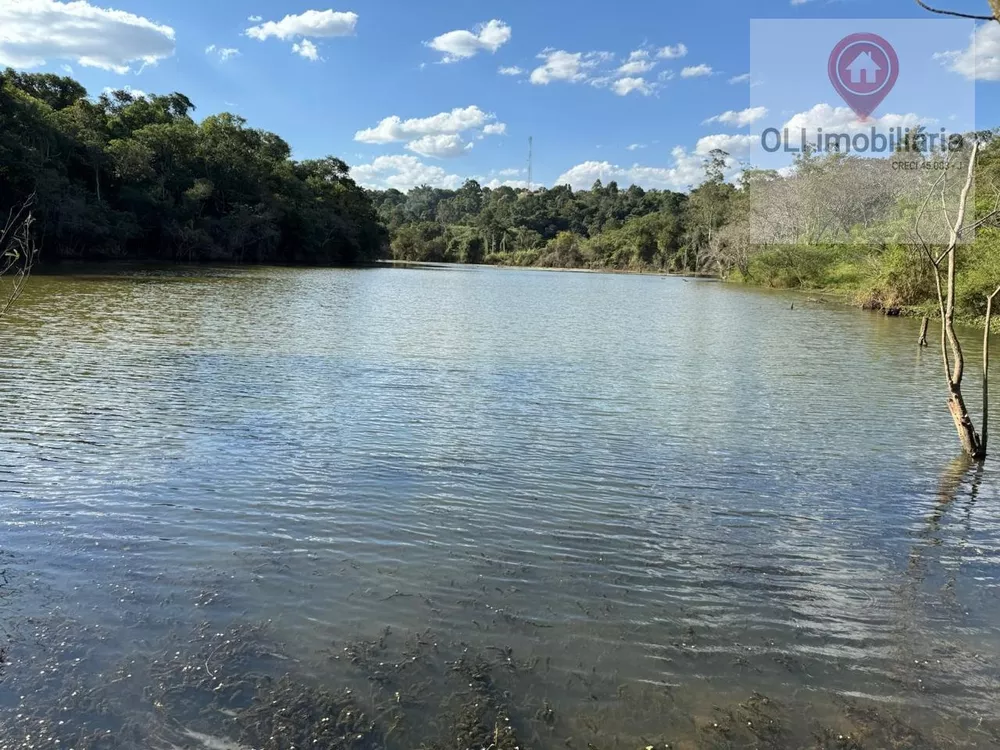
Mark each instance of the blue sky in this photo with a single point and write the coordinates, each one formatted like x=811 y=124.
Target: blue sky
x=603 y=90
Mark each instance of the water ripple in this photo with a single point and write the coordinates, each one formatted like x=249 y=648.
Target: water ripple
x=663 y=481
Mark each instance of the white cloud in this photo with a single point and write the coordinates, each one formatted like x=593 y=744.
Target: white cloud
x=495 y=128
x=224 y=53
x=696 y=71
x=674 y=52
x=561 y=65
x=744 y=78
x=312 y=23
x=638 y=63
x=513 y=70
x=735 y=145
x=686 y=171
x=583 y=176
x=625 y=86
x=462 y=44
x=255 y=19
x=635 y=146
x=600 y=69
x=137 y=93
x=440 y=146
x=516 y=184
x=739 y=119
x=403 y=173
x=844 y=120
x=32 y=32
x=395 y=129
x=306 y=49
x=510 y=172
x=981 y=59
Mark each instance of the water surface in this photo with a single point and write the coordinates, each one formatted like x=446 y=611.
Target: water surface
x=641 y=486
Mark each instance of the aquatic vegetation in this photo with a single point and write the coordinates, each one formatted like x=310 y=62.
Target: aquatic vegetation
x=235 y=690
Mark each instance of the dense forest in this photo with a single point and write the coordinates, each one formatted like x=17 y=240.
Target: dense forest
x=136 y=177
x=126 y=177
x=605 y=227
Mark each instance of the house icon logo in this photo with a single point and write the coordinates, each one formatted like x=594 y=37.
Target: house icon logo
x=863 y=68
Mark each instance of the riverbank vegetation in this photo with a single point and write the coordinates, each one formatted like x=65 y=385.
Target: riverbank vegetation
x=714 y=229
x=832 y=235
x=605 y=227
x=126 y=176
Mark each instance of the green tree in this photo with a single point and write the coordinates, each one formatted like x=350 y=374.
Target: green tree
x=135 y=176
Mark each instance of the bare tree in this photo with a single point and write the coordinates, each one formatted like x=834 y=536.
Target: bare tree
x=945 y=268
x=994 y=6
x=17 y=253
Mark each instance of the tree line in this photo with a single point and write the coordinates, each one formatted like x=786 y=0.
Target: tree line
x=606 y=227
x=135 y=177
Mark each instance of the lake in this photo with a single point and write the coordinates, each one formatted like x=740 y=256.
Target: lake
x=498 y=507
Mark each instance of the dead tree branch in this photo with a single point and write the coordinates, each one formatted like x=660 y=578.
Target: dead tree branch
x=17 y=253
x=995 y=4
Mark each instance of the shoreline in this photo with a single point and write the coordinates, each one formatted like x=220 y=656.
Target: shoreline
x=839 y=297
x=560 y=269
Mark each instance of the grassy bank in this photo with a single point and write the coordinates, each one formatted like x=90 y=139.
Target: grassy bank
x=895 y=279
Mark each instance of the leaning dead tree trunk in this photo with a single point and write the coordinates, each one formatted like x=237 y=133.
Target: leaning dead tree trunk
x=922 y=341
x=17 y=253
x=951 y=348
x=971 y=442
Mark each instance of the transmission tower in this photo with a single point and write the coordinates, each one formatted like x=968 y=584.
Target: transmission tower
x=531 y=159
